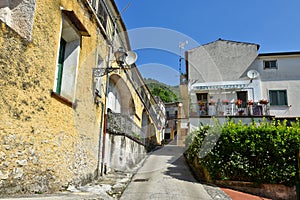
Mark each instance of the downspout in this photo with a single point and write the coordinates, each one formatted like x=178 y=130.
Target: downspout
x=103 y=123
x=104 y=112
x=99 y=167
x=110 y=52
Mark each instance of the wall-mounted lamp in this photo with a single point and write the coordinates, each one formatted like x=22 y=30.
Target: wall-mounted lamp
x=120 y=56
x=124 y=59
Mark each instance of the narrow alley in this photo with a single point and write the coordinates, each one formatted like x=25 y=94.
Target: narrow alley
x=139 y=100
x=165 y=175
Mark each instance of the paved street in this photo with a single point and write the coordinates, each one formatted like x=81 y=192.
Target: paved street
x=165 y=175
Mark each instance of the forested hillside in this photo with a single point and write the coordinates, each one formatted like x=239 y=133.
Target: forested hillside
x=166 y=92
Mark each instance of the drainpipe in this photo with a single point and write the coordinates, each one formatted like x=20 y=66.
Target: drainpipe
x=99 y=167
x=104 y=111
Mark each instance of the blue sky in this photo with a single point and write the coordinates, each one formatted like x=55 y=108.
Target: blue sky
x=273 y=24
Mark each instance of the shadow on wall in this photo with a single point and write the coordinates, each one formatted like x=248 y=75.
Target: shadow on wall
x=11 y=4
x=14 y=3
x=122 y=153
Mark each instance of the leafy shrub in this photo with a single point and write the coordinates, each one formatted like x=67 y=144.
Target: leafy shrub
x=262 y=153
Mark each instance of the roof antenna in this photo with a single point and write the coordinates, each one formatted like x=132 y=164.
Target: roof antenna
x=122 y=11
x=125 y=8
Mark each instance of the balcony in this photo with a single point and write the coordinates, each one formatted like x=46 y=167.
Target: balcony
x=124 y=125
x=201 y=109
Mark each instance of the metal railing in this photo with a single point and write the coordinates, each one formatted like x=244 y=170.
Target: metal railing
x=206 y=109
x=122 y=124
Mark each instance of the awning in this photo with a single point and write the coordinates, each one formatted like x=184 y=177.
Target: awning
x=216 y=87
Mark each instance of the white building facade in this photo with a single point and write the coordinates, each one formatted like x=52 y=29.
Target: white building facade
x=280 y=82
x=229 y=78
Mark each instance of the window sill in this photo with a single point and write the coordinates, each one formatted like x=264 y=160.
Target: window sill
x=62 y=100
x=273 y=68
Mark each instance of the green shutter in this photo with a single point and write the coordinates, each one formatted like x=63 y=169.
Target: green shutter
x=282 y=97
x=278 y=97
x=61 y=59
x=59 y=78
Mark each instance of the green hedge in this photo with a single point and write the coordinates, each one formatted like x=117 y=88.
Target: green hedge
x=262 y=153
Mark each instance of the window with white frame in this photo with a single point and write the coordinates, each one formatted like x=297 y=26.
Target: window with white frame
x=68 y=61
x=100 y=9
x=270 y=64
x=102 y=13
x=97 y=79
x=114 y=100
x=93 y=3
x=278 y=97
x=68 y=58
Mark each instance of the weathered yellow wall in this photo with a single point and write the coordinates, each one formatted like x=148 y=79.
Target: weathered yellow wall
x=46 y=145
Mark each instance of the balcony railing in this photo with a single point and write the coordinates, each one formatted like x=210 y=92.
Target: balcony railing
x=230 y=109
x=122 y=124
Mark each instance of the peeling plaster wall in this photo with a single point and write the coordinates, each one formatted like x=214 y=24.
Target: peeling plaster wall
x=122 y=153
x=18 y=14
x=46 y=145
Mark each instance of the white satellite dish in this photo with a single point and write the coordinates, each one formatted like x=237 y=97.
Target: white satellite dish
x=252 y=74
x=130 y=58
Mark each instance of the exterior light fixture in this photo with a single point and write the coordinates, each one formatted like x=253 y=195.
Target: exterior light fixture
x=123 y=58
x=120 y=56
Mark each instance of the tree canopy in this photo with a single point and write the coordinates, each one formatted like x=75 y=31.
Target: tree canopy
x=165 y=92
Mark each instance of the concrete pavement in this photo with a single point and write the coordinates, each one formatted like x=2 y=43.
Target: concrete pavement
x=165 y=175
x=108 y=187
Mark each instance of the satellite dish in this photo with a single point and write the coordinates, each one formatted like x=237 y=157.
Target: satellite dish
x=252 y=74
x=130 y=58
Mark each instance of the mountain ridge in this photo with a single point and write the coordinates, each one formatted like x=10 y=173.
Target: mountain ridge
x=166 y=92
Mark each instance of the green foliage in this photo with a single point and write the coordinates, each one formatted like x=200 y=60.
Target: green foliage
x=136 y=135
x=262 y=153
x=166 y=93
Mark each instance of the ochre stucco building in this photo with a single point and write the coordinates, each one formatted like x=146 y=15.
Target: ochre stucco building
x=53 y=108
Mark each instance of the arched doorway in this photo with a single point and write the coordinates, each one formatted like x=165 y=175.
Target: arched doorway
x=119 y=97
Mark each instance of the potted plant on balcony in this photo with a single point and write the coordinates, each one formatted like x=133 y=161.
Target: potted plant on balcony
x=225 y=102
x=264 y=103
x=238 y=103
x=241 y=112
x=250 y=107
x=211 y=107
x=250 y=102
x=211 y=102
x=201 y=103
x=202 y=108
